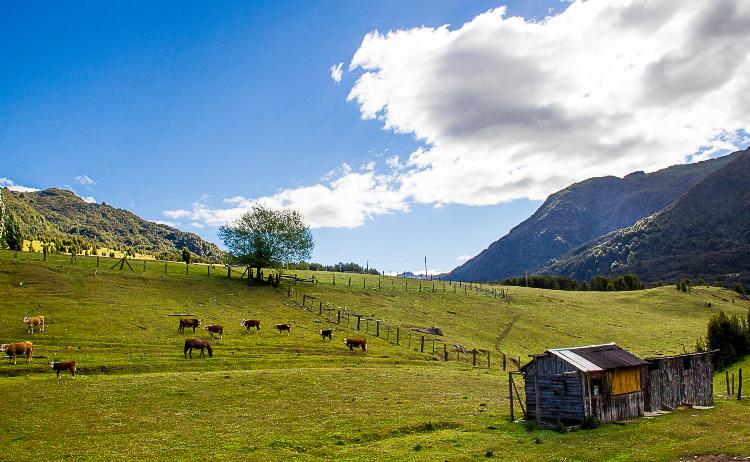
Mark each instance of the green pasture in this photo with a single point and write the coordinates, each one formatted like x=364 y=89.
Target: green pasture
x=269 y=396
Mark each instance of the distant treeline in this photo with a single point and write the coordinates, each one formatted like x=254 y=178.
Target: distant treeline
x=597 y=283
x=340 y=267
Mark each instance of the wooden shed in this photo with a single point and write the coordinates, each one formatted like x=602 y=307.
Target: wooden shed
x=572 y=384
x=673 y=381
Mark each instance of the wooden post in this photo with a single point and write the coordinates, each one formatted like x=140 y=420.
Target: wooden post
x=320 y=308
x=364 y=282
x=378 y=284
x=504 y=361
x=359 y=318
x=739 y=386
x=409 y=344
x=433 y=287
x=727 y=376
x=187 y=268
x=338 y=317
x=474 y=357
x=407 y=286
x=421 y=348
x=288 y=291
x=377 y=328
x=334 y=279
x=510 y=396
x=367 y=325
x=488 y=360
x=44 y=251
x=144 y=266
x=433 y=346
x=350 y=281
x=445 y=352
x=732 y=383
x=420 y=286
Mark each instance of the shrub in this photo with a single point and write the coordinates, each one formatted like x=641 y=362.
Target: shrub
x=590 y=423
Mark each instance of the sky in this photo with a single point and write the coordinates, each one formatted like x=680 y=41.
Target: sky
x=400 y=129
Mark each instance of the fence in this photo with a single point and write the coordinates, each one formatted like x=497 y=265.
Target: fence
x=731 y=389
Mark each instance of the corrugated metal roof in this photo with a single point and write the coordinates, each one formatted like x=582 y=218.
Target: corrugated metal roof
x=576 y=361
x=593 y=358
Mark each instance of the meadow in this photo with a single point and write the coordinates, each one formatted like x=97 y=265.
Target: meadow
x=269 y=396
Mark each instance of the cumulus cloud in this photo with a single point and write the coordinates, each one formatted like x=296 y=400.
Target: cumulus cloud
x=337 y=71
x=12 y=186
x=172 y=224
x=89 y=199
x=506 y=108
x=85 y=181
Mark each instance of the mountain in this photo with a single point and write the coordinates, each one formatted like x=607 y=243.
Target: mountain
x=59 y=213
x=705 y=233
x=580 y=213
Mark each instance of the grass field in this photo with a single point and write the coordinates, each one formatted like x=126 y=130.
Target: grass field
x=267 y=396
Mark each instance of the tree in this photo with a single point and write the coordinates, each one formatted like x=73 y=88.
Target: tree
x=267 y=238
x=13 y=234
x=186 y=255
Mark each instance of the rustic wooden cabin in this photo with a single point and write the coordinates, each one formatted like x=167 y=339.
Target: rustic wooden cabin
x=573 y=384
x=673 y=381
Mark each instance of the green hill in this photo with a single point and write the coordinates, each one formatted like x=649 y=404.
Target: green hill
x=60 y=213
x=580 y=213
x=271 y=396
x=704 y=234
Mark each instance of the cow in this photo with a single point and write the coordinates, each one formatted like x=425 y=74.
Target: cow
x=284 y=327
x=215 y=329
x=17 y=349
x=250 y=323
x=356 y=343
x=198 y=344
x=31 y=323
x=326 y=333
x=59 y=366
x=185 y=322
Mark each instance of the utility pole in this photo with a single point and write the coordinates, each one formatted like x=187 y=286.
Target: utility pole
x=425 y=268
x=367 y=267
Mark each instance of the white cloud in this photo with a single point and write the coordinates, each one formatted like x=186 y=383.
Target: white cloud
x=337 y=72
x=85 y=181
x=89 y=199
x=173 y=224
x=195 y=224
x=12 y=186
x=506 y=108
x=510 y=109
x=463 y=258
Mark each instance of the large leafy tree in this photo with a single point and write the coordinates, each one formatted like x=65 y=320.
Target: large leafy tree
x=268 y=238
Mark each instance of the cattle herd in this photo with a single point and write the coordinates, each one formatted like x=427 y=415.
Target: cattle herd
x=249 y=324
x=36 y=323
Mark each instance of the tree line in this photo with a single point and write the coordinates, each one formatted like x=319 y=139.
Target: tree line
x=339 y=267
x=597 y=283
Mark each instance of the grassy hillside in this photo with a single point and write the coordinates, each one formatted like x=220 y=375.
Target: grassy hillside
x=57 y=213
x=276 y=397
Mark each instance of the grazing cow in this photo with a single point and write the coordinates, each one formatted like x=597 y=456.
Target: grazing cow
x=198 y=344
x=356 y=343
x=17 y=349
x=326 y=333
x=215 y=329
x=250 y=323
x=59 y=366
x=184 y=322
x=284 y=327
x=31 y=323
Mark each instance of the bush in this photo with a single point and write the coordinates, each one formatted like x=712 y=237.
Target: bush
x=590 y=423
x=729 y=335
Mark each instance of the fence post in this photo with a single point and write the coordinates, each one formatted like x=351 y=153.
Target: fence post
x=350 y=281
x=378 y=284
x=504 y=361
x=338 y=317
x=208 y=269
x=510 y=395
x=727 y=376
x=433 y=287
x=445 y=352
x=421 y=348
x=433 y=346
x=409 y=345
x=420 y=286
x=377 y=328
x=364 y=282
x=739 y=387
x=732 y=383
x=144 y=266
x=288 y=291
x=359 y=318
x=334 y=280
x=187 y=268
x=474 y=357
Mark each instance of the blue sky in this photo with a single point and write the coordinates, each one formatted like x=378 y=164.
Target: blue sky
x=183 y=112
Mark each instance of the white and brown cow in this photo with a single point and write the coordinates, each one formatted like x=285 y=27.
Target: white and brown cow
x=284 y=328
x=33 y=322
x=17 y=349
x=59 y=366
x=217 y=329
x=356 y=343
x=250 y=323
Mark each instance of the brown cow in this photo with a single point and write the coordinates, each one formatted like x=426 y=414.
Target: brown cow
x=31 y=323
x=198 y=344
x=215 y=329
x=17 y=349
x=185 y=322
x=356 y=343
x=326 y=333
x=250 y=323
x=59 y=366
x=284 y=327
